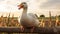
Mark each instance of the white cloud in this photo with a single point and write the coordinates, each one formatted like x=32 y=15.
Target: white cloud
x=51 y=4
x=34 y=6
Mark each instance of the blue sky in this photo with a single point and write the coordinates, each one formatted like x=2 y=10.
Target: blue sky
x=34 y=6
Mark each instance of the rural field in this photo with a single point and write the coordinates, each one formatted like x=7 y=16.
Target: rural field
x=11 y=25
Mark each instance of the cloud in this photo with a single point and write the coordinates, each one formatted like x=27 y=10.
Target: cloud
x=34 y=6
x=51 y=4
x=1 y=0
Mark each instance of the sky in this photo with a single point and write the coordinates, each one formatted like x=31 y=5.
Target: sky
x=34 y=6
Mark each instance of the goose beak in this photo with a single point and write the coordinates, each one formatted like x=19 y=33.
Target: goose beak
x=20 y=6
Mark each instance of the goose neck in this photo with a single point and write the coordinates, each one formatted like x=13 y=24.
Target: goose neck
x=24 y=10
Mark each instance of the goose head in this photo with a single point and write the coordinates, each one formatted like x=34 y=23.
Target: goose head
x=22 y=5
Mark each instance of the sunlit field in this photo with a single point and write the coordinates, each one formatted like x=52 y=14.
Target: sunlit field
x=45 y=23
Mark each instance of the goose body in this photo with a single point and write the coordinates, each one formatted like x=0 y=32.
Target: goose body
x=28 y=19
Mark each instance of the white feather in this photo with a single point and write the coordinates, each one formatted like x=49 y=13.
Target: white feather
x=28 y=20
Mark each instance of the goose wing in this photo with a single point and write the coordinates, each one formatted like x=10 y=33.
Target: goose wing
x=34 y=19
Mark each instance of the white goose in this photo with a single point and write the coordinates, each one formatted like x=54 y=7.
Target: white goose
x=28 y=20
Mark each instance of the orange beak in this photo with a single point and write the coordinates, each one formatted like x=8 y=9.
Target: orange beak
x=20 y=6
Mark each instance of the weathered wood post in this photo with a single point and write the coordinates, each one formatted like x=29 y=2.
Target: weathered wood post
x=50 y=19
x=57 y=20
